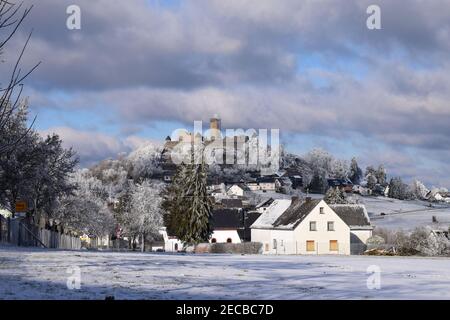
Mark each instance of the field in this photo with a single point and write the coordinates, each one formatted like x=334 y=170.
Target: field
x=406 y=215
x=43 y=274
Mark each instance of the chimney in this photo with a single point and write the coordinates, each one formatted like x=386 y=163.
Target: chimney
x=295 y=199
x=308 y=199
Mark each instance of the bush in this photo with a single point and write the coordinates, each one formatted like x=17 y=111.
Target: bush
x=231 y=248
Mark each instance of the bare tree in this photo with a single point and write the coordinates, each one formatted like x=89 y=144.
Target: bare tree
x=12 y=16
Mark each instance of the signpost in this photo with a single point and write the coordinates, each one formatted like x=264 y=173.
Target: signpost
x=21 y=206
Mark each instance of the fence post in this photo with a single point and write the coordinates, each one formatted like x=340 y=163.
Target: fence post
x=19 y=240
x=8 y=233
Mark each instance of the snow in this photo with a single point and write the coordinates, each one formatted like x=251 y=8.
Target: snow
x=406 y=215
x=42 y=274
x=276 y=209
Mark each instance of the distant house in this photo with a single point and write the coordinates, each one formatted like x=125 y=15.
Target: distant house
x=344 y=184
x=238 y=190
x=231 y=225
x=438 y=196
x=310 y=227
x=171 y=243
x=267 y=183
x=253 y=185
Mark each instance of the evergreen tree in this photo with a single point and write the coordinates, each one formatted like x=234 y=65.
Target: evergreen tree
x=356 y=173
x=173 y=203
x=335 y=196
x=187 y=207
x=196 y=222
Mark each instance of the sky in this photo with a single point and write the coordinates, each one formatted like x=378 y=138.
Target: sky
x=137 y=70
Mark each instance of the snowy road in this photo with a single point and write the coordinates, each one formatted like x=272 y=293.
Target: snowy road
x=42 y=274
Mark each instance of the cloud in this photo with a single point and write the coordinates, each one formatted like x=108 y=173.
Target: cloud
x=92 y=147
x=304 y=67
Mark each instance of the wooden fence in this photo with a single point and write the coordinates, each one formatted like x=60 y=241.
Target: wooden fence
x=18 y=233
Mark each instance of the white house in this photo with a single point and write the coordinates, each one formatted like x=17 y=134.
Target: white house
x=238 y=190
x=357 y=218
x=267 y=183
x=171 y=243
x=231 y=225
x=310 y=227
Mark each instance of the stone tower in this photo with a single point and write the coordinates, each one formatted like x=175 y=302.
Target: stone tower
x=215 y=127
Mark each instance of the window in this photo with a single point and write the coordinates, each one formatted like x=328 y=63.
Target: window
x=333 y=245
x=229 y=240
x=312 y=226
x=274 y=243
x=176 y=246
x=322 y=210
x=310 y=245
x=330 y=225
x=213 y=240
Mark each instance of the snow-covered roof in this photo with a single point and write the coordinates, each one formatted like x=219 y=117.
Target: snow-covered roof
x=271 y=214
x=354 y=215
x=296 y=213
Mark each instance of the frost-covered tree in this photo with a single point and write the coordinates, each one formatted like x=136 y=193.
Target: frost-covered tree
x=371 y=177
x=355 y=174
x=339 y=169
x=145 y=162
x=36 y=170
x=11 y=18
x=380 y=174
x=420 y=190
x=144 y=217
x=399 y=190
x=335 y=196
x=86 y=209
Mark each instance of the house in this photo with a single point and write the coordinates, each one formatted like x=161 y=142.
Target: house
x=171 y=243
x=266 y=183
x=238 y=190
x=344 y=184
x=231 y=225
x=310 y=226
x=253 y=185
x=438 y=196
x=357 y=218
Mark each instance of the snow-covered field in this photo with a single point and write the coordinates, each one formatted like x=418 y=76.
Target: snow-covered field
x=42 y=274
x=406 y=215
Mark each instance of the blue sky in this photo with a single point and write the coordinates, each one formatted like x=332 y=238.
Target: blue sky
x=133 y=74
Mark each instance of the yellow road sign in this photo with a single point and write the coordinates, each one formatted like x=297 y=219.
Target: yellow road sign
x=21 y=206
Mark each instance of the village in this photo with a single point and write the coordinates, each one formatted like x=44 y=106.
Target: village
x=223 y=150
